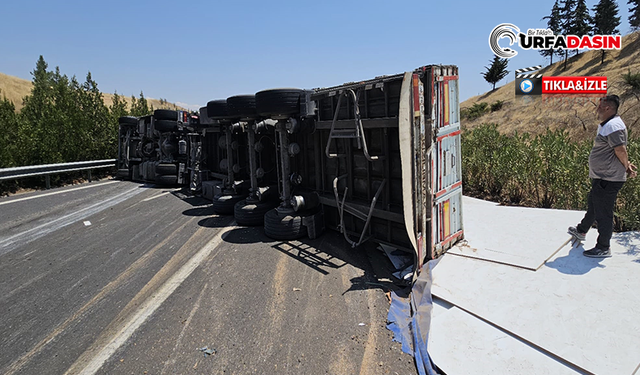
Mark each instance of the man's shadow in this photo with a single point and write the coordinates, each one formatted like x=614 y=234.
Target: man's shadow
x=574 y=263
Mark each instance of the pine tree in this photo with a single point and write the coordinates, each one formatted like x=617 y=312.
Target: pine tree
x=496 y=71
x=8 y=133
x=39 y=147
x=567 y=11
x=553 y=23
x=139 y=107
x=634 y=14
x=605 y=20
x=582 y=20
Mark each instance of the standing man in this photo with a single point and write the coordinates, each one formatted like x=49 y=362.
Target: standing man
x=609 y=167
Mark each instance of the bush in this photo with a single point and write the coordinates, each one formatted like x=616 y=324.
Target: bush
x=632 y=81
x=475 y=111
x=497 y=105
x=548 y=170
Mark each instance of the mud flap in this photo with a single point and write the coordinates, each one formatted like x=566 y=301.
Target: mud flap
x=314 y=224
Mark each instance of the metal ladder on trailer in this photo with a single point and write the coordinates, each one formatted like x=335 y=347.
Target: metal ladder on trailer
x=356 y=133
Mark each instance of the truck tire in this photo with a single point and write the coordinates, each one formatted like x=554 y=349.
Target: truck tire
x=217 y=109
x=165 y=114
x=224 y=204
x=129 y=120
x=165 y=126
x=166 y=180
x=242 y=106
x=252 y=214
x=283 y=226
x=278 y=102
x=164 y=169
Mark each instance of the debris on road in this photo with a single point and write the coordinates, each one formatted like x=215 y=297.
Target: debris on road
x=87 y=223
x=398 y=258
x=207 y=351
x=297 y=289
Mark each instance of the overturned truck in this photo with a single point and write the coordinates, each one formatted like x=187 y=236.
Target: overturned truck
x=376 y=160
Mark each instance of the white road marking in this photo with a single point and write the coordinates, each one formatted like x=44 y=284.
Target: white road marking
x=57 y=192
x=10 y=243
x=159 y=195
x=148 y=307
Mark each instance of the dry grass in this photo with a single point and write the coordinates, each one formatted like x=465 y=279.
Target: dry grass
x=15 y=89
x=578 y=119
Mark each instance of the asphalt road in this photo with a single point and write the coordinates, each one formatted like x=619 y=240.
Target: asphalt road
x=121 y=278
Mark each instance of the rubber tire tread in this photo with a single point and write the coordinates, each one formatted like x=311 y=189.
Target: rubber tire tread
x=165 y=126
x=217 y=109
x=128 y=120
x=283 y=228
x=278 y=102
x=164 y=169
x=252 y=214
x=165 y=114
x=226 y=206
x=166 y=180
x=242 y=106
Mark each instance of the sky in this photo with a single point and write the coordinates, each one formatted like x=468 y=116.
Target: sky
x=193 y=51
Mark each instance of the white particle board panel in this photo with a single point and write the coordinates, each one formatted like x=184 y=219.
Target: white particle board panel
x=519 y=236
x=460 y=343
x=583 y=310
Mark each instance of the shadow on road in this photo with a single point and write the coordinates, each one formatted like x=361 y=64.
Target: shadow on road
x=328 y=252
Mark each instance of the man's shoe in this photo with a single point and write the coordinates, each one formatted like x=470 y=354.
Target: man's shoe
x=597 y=252
x=576 y=234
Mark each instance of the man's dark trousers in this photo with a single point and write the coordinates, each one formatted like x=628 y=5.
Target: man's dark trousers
x=601 y=201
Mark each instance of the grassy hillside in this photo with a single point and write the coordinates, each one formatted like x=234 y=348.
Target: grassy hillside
x=14 y=89
x=578 y=118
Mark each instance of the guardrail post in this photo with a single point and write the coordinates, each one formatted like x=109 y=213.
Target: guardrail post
x=47 y=181
x=89 y=172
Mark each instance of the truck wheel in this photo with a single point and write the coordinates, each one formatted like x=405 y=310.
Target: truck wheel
x=278 y=102
x=130 y=120
x=242 y=106
x=224 y=204
x=167 y=180
x=217 y=109
x=165 y=114
x=252 y=214
x=165 y=126
x=283 y=226
x=166 y=169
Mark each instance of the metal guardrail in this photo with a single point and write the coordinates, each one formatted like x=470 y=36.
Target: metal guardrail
x=49 y=169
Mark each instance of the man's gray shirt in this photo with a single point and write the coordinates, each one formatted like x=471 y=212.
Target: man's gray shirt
x=603 y=162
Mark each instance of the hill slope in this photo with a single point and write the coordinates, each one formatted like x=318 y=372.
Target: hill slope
x=577 y=117
x=14 y=89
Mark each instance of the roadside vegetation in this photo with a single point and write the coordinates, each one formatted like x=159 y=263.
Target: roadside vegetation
x=548 y=170
x=62 y=121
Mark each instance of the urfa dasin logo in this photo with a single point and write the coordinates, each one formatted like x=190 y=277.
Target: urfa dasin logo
x=528 y=83
x=542 y=39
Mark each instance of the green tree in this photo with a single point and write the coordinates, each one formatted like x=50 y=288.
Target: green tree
x=567 y=11
x=634 y=14
x=140 y=107
x=8 y=133
x=39 y=144
x=553 y=23
x=605 y=20
x=496 y=71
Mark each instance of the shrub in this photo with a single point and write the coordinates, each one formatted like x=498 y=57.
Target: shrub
x=497 y=105
x=548 y=170
x=632 y=81
x=475 y=111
